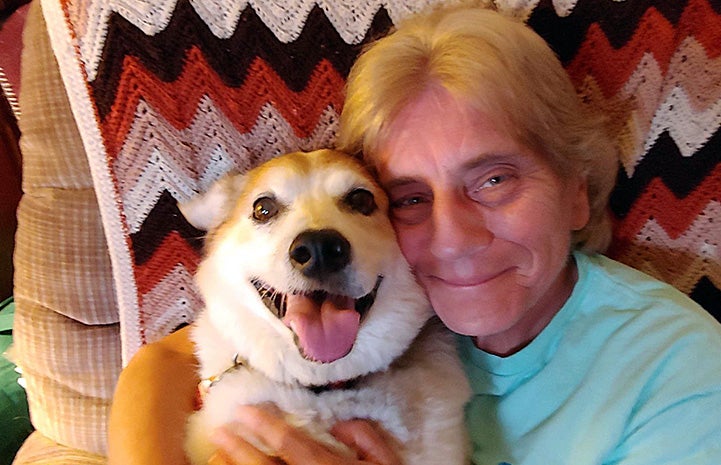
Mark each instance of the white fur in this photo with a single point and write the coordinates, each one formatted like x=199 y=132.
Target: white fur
x=413 y=381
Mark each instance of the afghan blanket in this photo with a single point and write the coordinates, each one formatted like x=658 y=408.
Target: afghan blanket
x=171 y=94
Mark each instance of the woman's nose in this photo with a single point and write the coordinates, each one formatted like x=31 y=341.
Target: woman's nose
x=459 y=226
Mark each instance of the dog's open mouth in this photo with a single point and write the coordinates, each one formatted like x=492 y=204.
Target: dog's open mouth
x=325 y=325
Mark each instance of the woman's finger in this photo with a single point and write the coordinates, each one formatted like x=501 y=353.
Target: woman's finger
x=371 y=442
x=220 y=458
x=291 y=444
x=234 y=450
x=277 y=435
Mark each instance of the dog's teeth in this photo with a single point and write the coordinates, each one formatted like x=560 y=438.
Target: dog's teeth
x=272 y=299
x=278 y=299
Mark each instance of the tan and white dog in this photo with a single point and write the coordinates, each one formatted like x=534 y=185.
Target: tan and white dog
x=311 y=306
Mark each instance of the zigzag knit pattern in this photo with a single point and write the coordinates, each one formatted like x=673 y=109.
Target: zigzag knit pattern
x=170 y=95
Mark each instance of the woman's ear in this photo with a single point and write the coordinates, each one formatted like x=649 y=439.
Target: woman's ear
x=581 y=207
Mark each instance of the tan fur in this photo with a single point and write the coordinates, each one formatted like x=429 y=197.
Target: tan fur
x=410 y=379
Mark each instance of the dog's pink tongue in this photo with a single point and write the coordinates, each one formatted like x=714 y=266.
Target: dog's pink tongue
x=326 y=331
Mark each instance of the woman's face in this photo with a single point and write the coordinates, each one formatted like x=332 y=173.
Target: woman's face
x=484 y=222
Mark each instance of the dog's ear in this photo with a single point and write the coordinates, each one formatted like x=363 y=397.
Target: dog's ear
x=208 y=210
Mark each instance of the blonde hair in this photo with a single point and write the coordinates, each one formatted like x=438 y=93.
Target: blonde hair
x=498 y=66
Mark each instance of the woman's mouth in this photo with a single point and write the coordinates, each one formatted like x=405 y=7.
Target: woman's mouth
x=460 y=282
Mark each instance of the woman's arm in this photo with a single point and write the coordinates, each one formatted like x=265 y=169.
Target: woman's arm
x=153 y=399
x=155 y=395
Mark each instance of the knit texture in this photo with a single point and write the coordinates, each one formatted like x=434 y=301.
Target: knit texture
x=169 y=95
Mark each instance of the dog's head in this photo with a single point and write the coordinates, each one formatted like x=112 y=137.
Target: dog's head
x=302 y=273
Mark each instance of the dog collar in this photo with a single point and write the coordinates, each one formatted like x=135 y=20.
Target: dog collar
x=206 y=383
x=335 y=386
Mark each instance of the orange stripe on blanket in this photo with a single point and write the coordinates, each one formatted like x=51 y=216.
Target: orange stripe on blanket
x=177 y=101
x=173 y=251
x=673 y=214
x=611 y=68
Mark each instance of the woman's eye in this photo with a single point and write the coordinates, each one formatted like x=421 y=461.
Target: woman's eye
x=493 y=189
x=264 y=209
x=411 y=209
x=406 y=202
x=494 y=181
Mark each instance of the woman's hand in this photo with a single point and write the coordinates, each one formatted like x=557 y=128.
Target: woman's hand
x=295 y=447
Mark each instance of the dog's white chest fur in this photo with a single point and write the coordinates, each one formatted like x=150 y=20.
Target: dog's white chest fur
x=415 y=400
x=304 y=282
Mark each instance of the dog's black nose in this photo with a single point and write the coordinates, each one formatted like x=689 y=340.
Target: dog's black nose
x=318 y=253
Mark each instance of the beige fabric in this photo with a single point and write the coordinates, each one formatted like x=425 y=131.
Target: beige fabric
x=54 y=152
x=71 y=370
x=39 y=450
x=61 y=258
x=66 y=332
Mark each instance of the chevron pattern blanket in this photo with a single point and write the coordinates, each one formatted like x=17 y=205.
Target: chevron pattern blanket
x=169 y=95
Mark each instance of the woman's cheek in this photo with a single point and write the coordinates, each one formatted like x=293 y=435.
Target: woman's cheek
x=410 y=242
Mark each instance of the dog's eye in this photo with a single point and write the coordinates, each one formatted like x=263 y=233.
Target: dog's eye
x=264 y=209
x=361 y=201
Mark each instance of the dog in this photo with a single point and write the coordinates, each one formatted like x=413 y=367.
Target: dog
x=309 y=305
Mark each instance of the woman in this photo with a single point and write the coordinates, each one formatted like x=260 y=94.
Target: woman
x=499 y=182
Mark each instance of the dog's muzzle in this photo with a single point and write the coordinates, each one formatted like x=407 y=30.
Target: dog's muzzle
x=277 y=302
x=325 y=324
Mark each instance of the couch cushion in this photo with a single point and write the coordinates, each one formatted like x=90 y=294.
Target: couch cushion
x=39 y=450
x=66 y=323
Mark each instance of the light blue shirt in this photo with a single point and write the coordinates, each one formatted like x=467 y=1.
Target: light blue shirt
x=627 y=373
